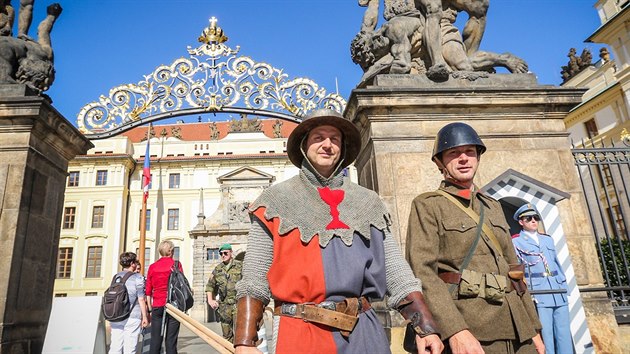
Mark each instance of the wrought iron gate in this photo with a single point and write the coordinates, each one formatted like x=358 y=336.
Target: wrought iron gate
x=605 y=176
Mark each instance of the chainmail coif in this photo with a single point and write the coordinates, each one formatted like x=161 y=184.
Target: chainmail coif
x=297 y=204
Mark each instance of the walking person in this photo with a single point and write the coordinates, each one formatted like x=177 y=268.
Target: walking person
x=157 y=291
x=125 y=333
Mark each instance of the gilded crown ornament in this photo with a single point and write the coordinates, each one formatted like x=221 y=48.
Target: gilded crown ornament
x=213 y=33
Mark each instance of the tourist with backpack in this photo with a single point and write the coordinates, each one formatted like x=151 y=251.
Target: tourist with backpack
x=125 y=307
x=157 y=291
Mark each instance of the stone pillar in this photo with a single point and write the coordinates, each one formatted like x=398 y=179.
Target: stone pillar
x=36 y=143
x=521 y=124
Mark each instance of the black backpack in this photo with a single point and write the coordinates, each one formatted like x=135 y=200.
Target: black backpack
x=179 y=293
x=115 y=305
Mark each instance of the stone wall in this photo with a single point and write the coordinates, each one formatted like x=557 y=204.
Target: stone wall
x=521 y=124
x=36 y=143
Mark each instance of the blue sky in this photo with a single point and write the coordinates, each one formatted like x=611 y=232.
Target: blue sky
x=102 y=44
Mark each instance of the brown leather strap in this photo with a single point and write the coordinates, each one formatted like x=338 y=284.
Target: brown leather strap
x=249 y=312
x=341 y=315
x=450 y=277
x=471 y=213
x=312 y=313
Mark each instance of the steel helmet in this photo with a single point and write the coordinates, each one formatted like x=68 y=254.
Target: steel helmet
x=456 y=134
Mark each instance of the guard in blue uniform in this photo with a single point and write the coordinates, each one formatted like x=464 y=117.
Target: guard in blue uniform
x=543 y=272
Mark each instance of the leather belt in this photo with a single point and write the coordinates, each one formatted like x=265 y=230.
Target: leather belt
x=455 y=278
x=342 y=315
x=543 y=274
x=450 y=277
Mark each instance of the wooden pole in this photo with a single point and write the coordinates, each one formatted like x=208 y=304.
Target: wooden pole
x=219 y=343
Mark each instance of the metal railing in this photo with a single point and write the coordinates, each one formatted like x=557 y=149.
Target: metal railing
x=604 y=173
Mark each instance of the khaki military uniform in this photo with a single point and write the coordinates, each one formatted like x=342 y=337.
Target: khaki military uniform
x=223 y=282
x=439 y=237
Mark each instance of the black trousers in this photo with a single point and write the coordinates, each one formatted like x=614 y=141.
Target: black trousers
x=171 y=333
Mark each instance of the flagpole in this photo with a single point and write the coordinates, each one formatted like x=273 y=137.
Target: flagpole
x=146 y=180
x=143 y=234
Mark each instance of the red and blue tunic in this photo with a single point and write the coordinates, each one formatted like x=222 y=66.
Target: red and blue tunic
x=314 y=243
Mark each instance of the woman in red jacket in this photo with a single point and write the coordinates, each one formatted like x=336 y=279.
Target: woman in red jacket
x=156 y=291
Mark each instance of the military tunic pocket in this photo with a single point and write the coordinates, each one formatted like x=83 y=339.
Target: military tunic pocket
x=459 y=234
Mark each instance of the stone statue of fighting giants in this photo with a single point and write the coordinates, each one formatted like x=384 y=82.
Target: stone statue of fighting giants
x=420 y=36
x=24 y=60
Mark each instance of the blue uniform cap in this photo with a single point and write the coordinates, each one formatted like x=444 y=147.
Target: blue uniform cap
x=526 y=210
x=225 y=246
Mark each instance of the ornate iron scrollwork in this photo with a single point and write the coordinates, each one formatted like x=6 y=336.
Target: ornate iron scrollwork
x=212 y=78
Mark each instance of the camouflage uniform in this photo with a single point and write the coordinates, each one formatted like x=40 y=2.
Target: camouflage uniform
x=223 y=282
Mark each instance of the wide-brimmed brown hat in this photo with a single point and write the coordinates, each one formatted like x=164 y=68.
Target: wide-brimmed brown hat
x=316 y=118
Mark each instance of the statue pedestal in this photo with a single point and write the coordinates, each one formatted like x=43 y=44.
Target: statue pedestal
x=521 y=124
x=36 y=143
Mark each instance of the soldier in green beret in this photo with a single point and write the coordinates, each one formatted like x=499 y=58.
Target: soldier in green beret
x=223 y=282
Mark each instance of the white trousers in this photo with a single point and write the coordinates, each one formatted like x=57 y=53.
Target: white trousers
x=125 y=336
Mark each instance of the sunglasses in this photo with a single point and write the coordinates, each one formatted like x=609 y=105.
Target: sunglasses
x=530 y=217
x=224 y=253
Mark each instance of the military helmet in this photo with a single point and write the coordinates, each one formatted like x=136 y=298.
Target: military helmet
x=324 y=116
x=456 y=134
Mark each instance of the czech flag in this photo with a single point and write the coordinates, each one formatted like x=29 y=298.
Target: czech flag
x=146 y=170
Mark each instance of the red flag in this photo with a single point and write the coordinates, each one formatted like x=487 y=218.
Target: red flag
x=146 y=170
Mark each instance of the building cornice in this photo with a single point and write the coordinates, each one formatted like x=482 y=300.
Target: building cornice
x=613 y=24
x=594 y=103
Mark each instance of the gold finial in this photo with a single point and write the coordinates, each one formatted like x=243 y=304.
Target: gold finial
x=625 y=135
x=213 y=33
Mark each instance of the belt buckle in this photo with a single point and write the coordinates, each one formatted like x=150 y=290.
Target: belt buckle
x=545 y=274
x=289 y=309
x=328 y=305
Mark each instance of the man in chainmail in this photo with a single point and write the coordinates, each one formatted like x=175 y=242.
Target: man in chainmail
x=322 y=247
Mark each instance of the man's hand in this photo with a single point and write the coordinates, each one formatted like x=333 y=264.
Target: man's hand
x=145 y=322
x=213 y=303
x=430 y=343
x=538 y=343
x=241 y=349
x=464 y=342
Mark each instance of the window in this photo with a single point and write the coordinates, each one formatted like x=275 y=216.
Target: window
x=61 y=295
x=73 y=179
x=212 y=254
x=64 y=263
x=98 y=213
x=91 y=293
x=94 y=258
x=607 y=175
x=618 y=218
x=173 y=219
x=591 y=128
x=69 y=214
x=148 y=221
x=173 y=180
x=101 y=178
x=176 y=253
